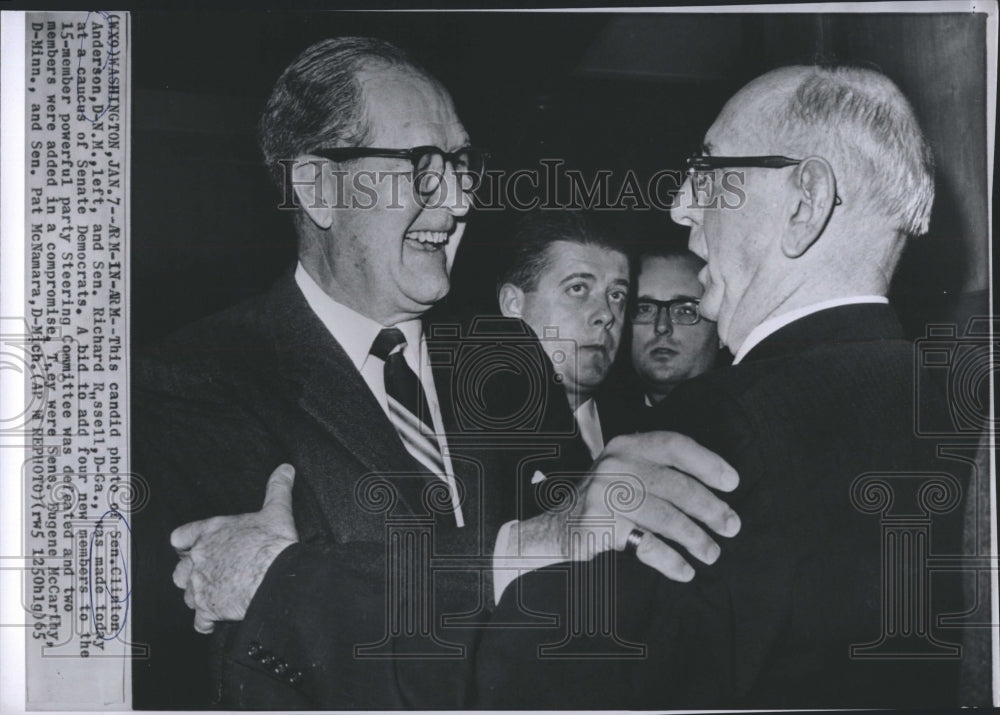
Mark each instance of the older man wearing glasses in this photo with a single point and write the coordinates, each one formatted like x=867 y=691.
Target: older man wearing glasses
x=364 y=585
x=826 y=598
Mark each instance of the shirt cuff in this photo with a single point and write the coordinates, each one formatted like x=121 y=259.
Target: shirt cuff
x=515 y=555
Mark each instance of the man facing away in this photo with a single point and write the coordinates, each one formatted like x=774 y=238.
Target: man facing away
x=365 y=583
x=825 y=599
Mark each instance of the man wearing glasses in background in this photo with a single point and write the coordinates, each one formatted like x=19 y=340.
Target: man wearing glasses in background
x=825 y=598
x=324 y=598
x=671 y=340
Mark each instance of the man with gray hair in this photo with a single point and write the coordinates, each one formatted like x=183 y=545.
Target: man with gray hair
x=808 y=185
x=327 y=596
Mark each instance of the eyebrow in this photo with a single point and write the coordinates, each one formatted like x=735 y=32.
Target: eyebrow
x=620 y=282
x=574 y=276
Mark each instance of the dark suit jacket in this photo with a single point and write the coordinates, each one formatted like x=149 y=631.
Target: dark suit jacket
x=218 y=406
x=623 y=409
x=841 y=503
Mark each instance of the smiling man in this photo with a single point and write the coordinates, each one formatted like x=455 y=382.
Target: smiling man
x=392 y=257
x=324 y=598
x=311 y=373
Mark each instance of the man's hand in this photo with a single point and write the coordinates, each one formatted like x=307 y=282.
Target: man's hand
x=655 y=482
x=224 y=559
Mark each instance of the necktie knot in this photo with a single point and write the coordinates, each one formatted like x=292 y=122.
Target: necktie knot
x=387 y=341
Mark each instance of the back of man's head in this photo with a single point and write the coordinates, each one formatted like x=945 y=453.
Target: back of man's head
x=318 y=101
x=536 y=231
x=859 y=121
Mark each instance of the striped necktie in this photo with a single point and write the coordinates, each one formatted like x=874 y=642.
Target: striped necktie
x=408 y=410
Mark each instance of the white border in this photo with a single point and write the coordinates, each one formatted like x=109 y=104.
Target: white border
x=991 y=120
x=12 y=386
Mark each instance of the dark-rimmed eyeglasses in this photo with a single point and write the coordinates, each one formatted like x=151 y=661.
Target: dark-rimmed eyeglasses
x=429 y=163
x=701 y=170
x=681 y=311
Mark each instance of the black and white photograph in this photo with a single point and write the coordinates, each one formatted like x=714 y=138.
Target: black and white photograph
x=499 y=360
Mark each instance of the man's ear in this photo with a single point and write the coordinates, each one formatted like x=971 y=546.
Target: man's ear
x=511 y=301
x=313 y=190
x=816 y=187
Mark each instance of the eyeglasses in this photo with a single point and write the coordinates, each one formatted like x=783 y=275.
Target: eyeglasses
x=681 y=311
x=701 y=170
x=468 y=163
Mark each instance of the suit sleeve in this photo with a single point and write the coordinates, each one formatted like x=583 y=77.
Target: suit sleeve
x=195 y=453
x=200 y=451
x=339 y=626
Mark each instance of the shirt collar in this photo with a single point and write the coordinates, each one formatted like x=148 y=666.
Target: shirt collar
x=772 y=325
x=354 y=332
x=589 y=423
x=587 y=408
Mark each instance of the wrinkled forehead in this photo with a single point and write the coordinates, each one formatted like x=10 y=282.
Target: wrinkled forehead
x=407 y=108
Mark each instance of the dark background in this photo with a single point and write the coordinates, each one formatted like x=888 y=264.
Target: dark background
x=604 y=91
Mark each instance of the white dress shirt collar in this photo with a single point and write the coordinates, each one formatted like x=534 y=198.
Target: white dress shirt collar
x=355 y=332
x=589 y=423
x=773 y=325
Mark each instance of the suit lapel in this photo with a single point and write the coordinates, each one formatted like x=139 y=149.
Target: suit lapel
x=318 y=375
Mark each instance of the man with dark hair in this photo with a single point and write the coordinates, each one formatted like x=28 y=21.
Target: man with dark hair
x=362 y=580
x=569 y=280
x=826 y=598
x=671 y=340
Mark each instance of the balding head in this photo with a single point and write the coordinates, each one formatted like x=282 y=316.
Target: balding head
x=829 y=224
x=860 y=122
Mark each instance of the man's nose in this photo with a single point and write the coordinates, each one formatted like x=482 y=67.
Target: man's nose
x=604 y=313
x=683 y=210
x=663 y=325
x=451 y=196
